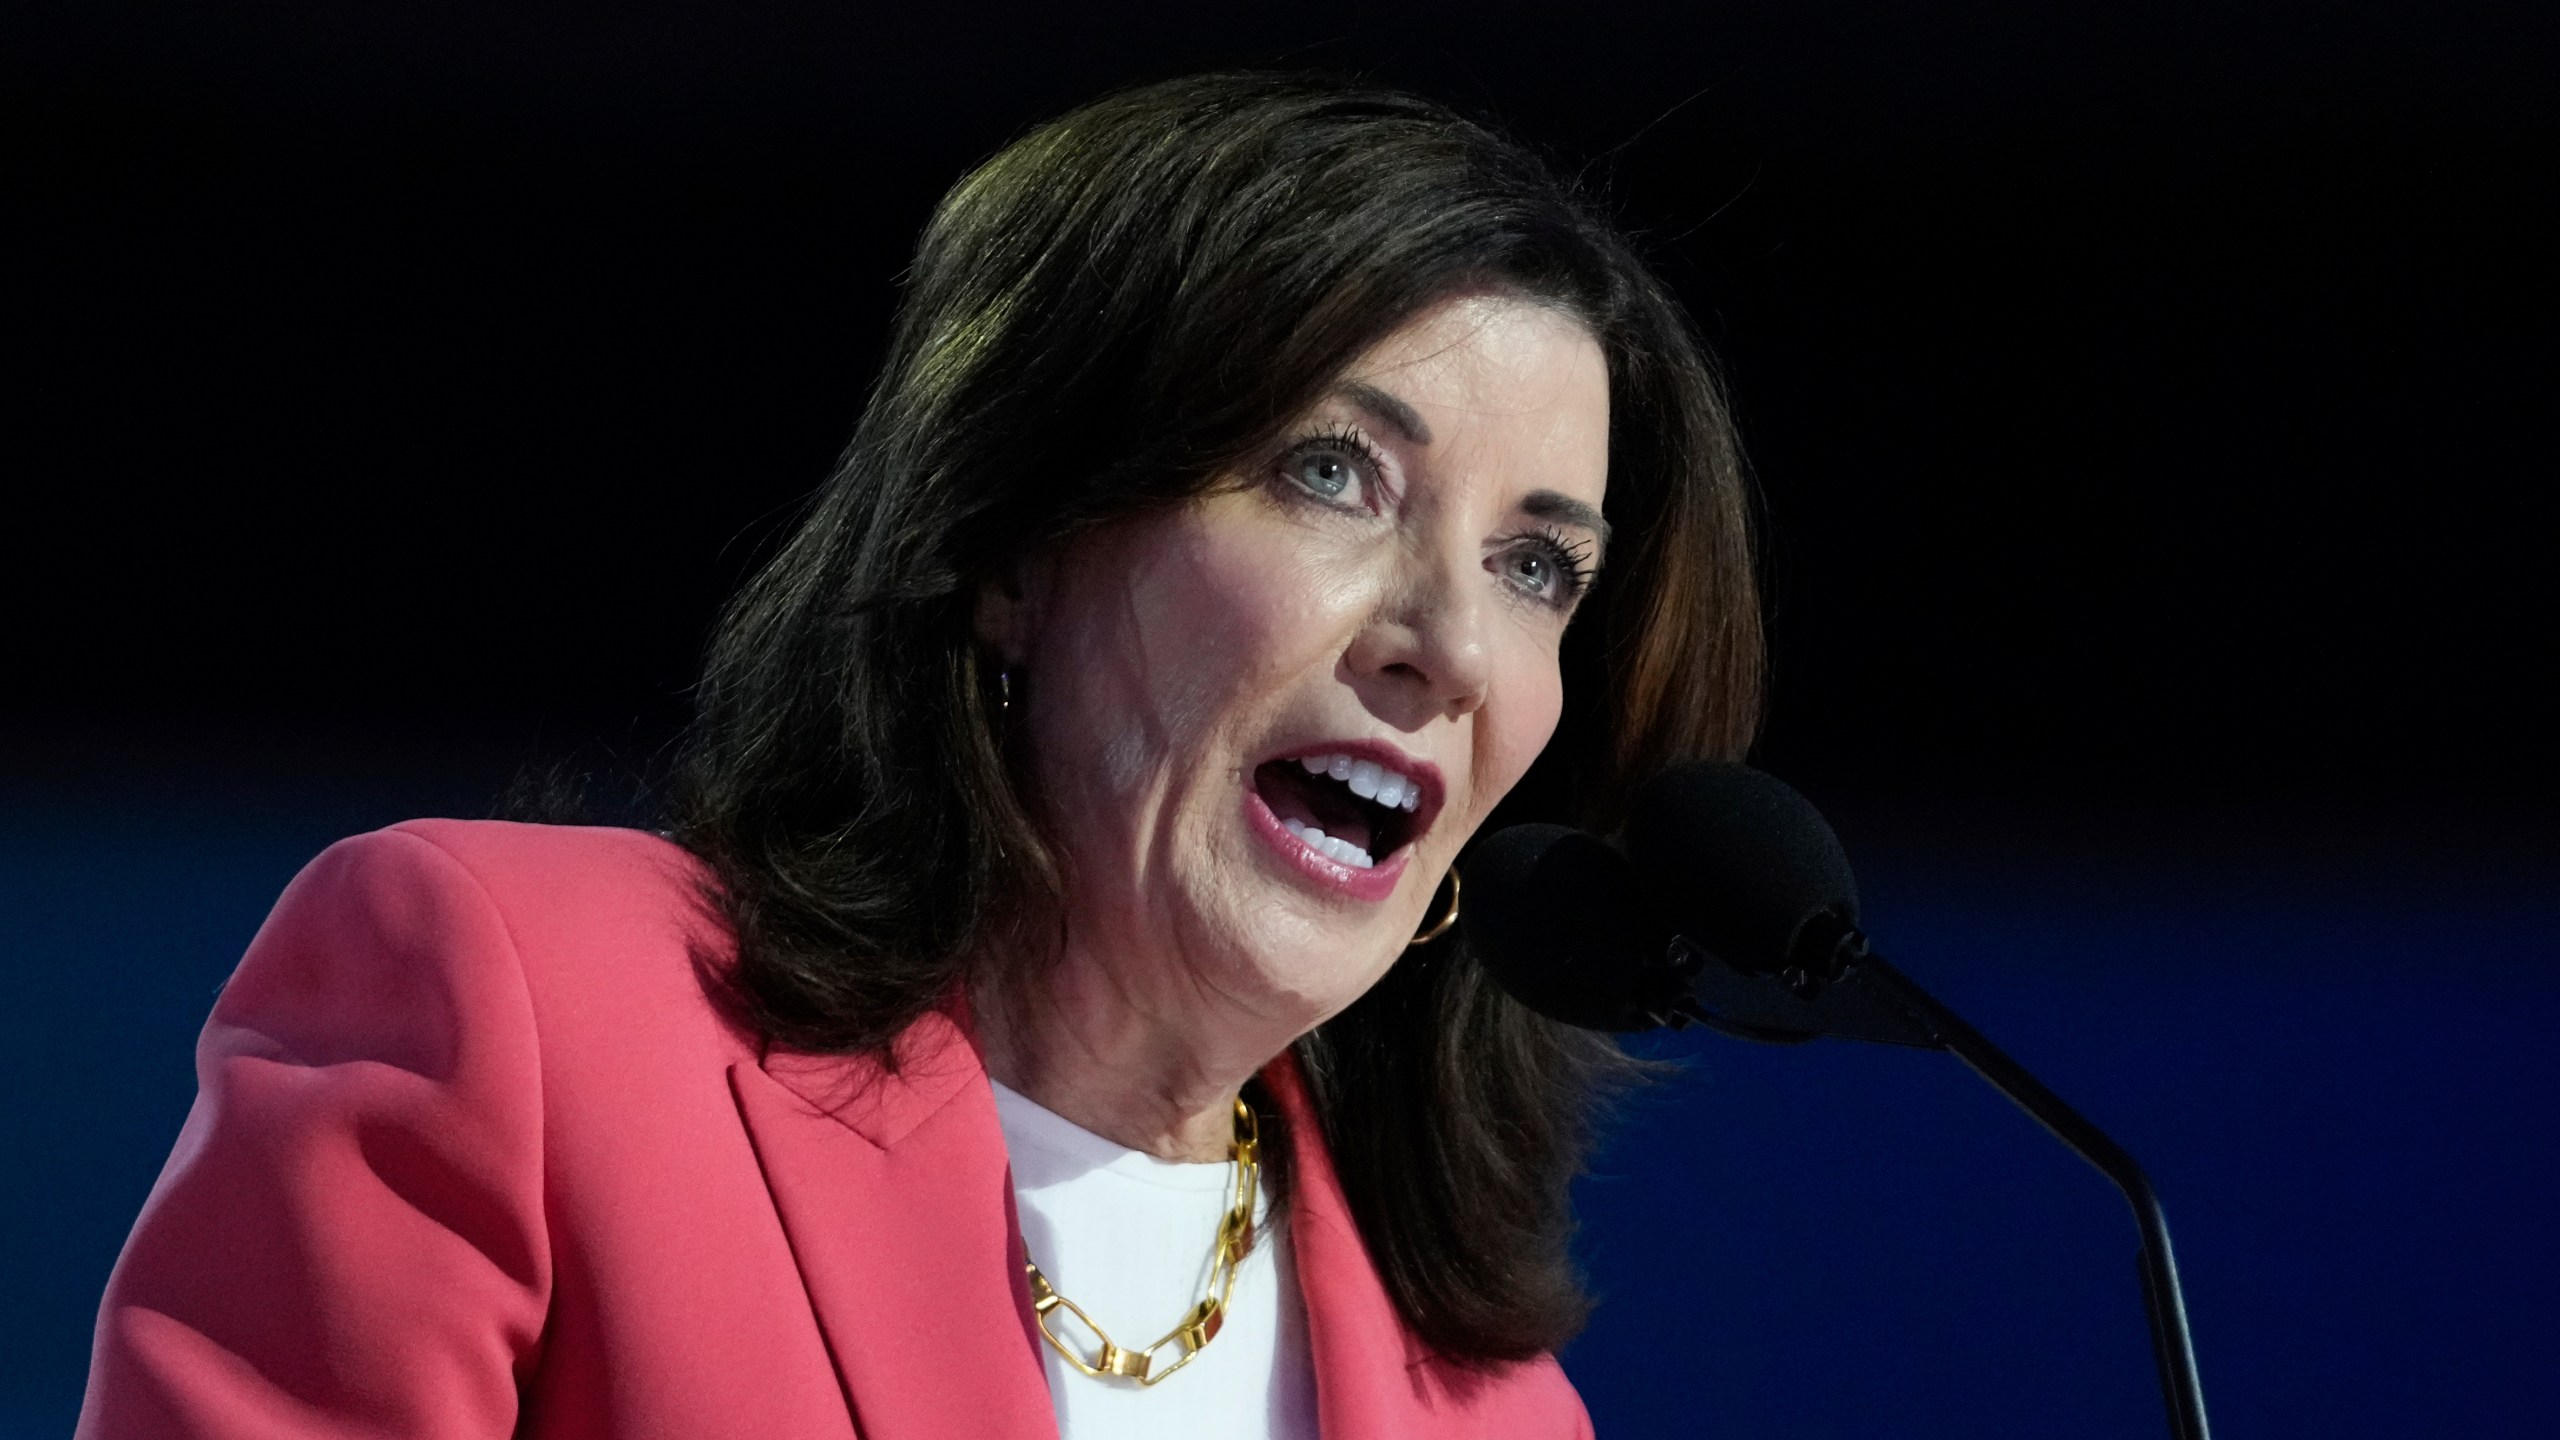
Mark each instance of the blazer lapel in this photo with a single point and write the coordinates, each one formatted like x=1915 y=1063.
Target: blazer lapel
x=894 y=1191
x=1373 y=1377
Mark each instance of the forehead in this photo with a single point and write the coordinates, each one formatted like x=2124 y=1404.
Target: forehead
x=1500 y=384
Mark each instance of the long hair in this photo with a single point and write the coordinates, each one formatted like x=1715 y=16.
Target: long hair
x=1104 y=318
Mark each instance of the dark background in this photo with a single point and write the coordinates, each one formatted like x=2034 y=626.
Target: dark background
x=2152 y=407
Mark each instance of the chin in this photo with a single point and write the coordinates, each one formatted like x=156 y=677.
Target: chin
x=1272 y=943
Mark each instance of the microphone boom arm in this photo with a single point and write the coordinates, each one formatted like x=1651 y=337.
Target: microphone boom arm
x=1853 y=963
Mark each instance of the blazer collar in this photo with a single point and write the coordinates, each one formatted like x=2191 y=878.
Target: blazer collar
x=1374 y=1376
x=894 y=1191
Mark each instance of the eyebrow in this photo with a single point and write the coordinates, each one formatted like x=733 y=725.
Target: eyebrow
x=1553 y=505
x=1400 y=417
x=1408 y=422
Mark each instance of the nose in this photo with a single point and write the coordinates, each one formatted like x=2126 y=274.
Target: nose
x=1422 y=655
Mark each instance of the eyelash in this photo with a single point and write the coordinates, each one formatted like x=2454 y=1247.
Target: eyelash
x=1570 y=557
x=1337 y=437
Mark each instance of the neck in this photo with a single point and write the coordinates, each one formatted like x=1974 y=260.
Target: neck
x=1157 y=1078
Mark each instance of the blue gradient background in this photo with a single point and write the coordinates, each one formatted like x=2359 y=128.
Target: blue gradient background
x=2333 y=1056
x=2149 y=401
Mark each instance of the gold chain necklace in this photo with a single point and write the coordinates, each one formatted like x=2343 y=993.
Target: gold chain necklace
x=1201 y=1325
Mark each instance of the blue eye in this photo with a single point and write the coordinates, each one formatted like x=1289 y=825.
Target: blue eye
x=1324 y=472
x=1534 y=572
x=1337 y=467
x=1546 y=567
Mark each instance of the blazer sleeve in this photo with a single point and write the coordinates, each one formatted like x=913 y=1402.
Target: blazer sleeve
x=348 y=1238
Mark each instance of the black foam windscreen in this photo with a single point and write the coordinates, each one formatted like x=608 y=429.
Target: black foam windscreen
x=1736 y=860
x=1557 y=918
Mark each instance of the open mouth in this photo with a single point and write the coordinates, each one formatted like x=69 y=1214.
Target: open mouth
x=1353 y=811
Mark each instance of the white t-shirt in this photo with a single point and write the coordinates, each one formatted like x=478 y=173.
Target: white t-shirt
x=1127 y=1237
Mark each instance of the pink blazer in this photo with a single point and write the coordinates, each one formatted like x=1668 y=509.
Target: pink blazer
x=472 y=1154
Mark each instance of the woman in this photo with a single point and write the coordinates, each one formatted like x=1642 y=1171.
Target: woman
x=1268 y=478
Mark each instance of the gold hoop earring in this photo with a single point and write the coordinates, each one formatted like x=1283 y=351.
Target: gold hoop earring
x=1441 y=926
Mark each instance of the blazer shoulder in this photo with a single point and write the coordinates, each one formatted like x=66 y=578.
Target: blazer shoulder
x=555 y=881
x=565 y=862
x=600 y=920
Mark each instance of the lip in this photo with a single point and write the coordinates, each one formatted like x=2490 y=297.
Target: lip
x=1378 y=881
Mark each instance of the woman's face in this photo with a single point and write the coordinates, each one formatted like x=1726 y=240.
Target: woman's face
x=1262 y=724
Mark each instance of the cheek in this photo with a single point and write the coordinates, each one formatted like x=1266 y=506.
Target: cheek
x=1526 y=703
x=1169 y=633
x=1228 y=624
x=1250 y=607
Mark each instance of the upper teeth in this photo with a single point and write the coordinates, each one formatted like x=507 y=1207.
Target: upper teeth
x=1368 y=779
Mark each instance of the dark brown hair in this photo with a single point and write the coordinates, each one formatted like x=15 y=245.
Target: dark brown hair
x=1107 y=316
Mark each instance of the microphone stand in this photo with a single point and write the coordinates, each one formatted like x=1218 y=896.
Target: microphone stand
x=1847 y=962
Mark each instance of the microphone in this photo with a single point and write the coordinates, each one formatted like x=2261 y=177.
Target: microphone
x=1735 y=907
x=1565 y=928
x=1734 y=914
x=1744 y=865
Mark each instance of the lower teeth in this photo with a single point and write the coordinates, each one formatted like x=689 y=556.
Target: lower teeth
x=1332 y=847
